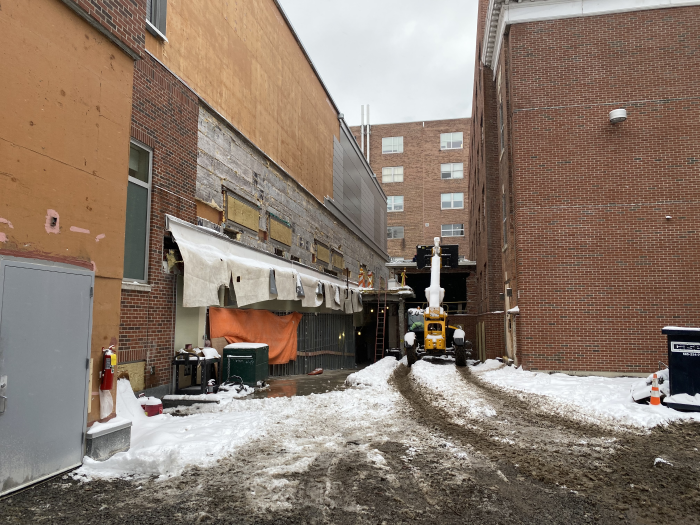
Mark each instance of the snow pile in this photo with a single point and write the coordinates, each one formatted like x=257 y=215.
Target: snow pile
x=684 y=399
x=642 y=388
x=376 y=376
x=304 y=427
x=410 y=338
x=164 y=445
x=450 y=391
x=489 y=364
x=605 y=399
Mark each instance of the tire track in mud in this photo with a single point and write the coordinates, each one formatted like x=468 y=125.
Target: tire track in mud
x=614 y=468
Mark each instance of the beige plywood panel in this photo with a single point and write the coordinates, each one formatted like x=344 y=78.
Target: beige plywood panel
x=338 y=260
x=242 y=58
x=241 y=213
x=280 y=232
x=322 y=253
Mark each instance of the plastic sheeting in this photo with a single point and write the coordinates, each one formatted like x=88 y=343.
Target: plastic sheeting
x=213 y=261
x=258 y=326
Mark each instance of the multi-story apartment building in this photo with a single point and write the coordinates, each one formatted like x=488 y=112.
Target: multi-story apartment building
x=421 y=167
x=584 y=227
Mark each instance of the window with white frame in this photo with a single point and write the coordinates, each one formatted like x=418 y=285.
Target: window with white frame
x=138 y=203
x=156 y=11
x=453 y=170
x=451 y=140
x=392 y=145
x=394 y=232
x=392 y=174
x=394 y=203
x=452 y=201
x=452 y=230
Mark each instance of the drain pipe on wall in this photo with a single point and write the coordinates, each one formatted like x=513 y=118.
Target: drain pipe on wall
x=362 y=130
x=368 y=132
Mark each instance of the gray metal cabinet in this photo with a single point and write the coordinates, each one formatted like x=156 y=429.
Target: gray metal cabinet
x=45 y=329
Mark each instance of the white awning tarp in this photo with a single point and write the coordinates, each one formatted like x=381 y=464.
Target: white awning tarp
x=212 y=260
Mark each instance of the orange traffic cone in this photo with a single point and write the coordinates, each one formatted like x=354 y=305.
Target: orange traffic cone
x=655 y=395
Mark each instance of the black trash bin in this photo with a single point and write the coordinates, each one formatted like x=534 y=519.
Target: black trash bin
x=683 y=363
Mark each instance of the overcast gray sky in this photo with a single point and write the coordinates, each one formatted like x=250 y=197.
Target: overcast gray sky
x=410 y=60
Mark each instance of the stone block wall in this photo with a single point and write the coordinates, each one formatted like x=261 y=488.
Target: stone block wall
x=226 y=161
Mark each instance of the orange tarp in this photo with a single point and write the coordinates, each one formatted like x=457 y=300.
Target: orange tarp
x=258 y=326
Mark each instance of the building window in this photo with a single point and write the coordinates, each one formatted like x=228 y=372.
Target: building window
x=392 y=145
x=453 y=230
x=138 y=204
x=155 y=16
x=452 y=201
x=454 y=170
x=501 y=126
x=394 y=232
x=505 y=219
x=394 y=174
x=394 y=203
x=451 y=140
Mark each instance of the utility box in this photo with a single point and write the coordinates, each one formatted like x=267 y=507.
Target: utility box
x=683 y=359
x=250 y=361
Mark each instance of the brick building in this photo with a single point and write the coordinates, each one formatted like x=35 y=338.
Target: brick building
x=421 y=168
x=273 y=172
x=584 y=231
x=65 y=113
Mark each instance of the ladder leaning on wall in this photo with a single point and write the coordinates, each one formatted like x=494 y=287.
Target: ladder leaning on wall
x=381 y=327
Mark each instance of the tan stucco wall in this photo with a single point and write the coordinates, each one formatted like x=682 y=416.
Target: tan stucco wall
x=244 y=61
x=65 y=111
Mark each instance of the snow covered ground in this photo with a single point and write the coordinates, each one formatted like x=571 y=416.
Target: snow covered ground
x=165 y=445
x=603 y=399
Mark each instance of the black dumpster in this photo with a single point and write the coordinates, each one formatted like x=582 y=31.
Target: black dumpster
x=683 y=362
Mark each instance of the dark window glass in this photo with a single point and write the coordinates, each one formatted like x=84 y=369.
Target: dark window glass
x=136 y=232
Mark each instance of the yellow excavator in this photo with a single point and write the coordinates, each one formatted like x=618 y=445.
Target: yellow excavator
x=434 y=315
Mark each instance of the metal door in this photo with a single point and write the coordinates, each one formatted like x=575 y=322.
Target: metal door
x=45 y=327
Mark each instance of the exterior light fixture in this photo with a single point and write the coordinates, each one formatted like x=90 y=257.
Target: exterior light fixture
x=617 y=115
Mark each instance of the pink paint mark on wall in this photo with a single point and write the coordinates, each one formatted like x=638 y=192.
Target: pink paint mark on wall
x=52 y=222
x=78 y=230
x=99 y=237
x=3 y=237
x=5 y=221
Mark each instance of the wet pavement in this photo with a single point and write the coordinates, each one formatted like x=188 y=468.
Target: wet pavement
x=304 y=385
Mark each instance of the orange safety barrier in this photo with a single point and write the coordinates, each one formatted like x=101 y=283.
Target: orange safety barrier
x=258 y=326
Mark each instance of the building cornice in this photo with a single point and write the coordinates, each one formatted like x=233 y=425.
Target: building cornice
x=502 y=13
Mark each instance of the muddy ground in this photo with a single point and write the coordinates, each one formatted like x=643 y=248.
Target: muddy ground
x=522 y=466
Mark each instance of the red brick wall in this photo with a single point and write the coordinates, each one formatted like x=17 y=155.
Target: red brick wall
x=165 y=115
x=494 y=334
x=125 y=19
x=422 y=184
x=600 y=270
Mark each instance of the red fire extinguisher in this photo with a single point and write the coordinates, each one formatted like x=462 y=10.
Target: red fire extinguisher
x=109 y=360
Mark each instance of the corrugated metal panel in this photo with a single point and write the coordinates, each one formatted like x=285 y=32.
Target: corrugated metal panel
x=323 y=341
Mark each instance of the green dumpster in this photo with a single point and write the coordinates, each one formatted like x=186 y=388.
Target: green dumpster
x=247 y=360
